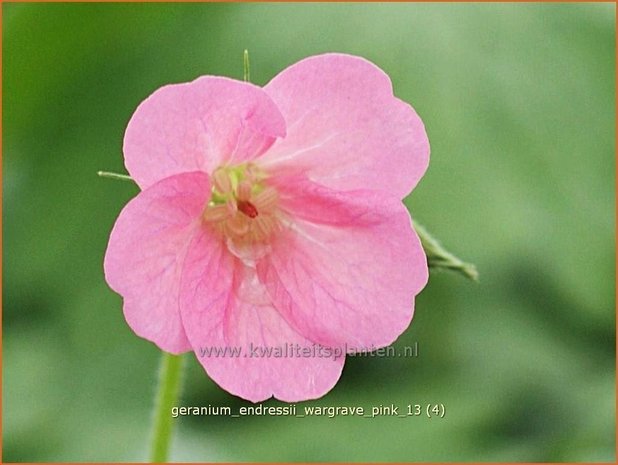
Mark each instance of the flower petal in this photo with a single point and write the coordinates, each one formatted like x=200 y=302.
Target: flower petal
x=345 y=128
x=197 y=126
x=347 y=268
x=145 y=255
x=225 y=309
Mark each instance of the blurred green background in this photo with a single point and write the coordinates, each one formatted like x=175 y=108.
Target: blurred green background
x=519 y=104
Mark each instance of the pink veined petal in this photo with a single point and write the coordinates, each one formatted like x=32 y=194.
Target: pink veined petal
x=345 y=128
x=225 y=309
x=145 y=253
x=347 y=268
x=197 y=126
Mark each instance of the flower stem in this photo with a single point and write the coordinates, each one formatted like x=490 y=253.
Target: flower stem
x=108 y=174
x=440 y=258
x=167 y=395
x=246 y=67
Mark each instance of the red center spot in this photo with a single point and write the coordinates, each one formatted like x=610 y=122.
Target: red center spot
x=247 y=208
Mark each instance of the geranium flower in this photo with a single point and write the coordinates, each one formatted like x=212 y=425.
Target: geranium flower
x=269 y=218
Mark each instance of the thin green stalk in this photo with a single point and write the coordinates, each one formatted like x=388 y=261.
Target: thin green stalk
x=246 y=67
x=440 y=258
x=167 y=397
x=109 y=174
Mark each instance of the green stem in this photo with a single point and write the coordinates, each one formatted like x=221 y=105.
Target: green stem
x=246 y=67
x=167 y=396
x=440 y=258
x=108 y=174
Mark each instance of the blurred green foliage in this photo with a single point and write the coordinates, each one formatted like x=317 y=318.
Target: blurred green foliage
x=519 y=104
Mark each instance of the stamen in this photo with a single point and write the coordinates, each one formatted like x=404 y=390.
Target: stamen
x=242 y=207
x=216 y=213
x=264 y=225
x=266 y=199
x=244 y=190
x=222 y=181
x=231 y=206
x=238 y=225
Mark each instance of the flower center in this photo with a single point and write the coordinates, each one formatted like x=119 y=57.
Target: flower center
x=242 y=207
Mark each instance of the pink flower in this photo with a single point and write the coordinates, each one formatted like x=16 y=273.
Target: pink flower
x=270 y=232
